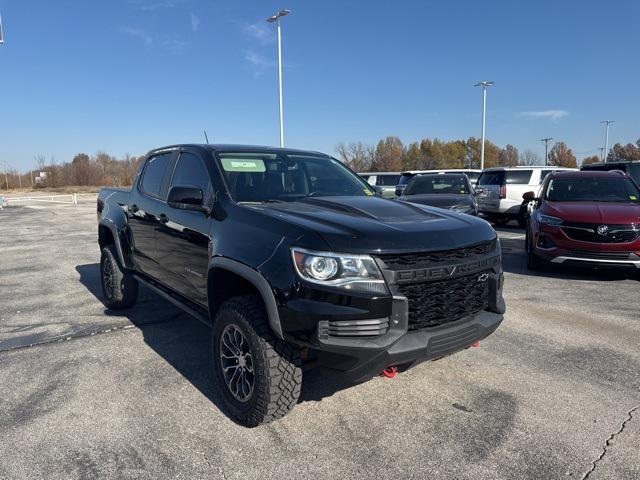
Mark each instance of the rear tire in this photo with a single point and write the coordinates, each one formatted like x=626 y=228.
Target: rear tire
x=259 y=375
x=500 y=221
x=119 y=288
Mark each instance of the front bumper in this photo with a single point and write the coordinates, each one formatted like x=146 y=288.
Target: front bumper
x=359 y=364
x=553 y=245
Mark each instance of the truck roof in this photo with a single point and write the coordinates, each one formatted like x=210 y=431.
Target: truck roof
x=222 y=147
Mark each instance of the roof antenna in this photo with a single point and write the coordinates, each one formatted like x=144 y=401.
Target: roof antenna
x=205 y=136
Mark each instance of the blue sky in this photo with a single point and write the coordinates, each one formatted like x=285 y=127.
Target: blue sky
x=125 y=76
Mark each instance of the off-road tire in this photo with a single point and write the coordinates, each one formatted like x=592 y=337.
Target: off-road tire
x=125 y=288
x=277 y=372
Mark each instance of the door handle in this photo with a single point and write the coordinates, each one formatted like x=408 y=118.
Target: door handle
x=134 y=208
x=163 y=218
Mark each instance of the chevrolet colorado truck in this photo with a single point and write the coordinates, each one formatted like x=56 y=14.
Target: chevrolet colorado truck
x=296 y=261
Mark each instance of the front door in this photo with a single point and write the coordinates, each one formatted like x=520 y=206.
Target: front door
x=183 y=235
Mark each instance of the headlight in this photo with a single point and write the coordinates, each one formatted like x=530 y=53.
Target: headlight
x=548 y=220
x=351 y=272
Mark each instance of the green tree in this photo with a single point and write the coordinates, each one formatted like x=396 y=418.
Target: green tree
x=561 y=156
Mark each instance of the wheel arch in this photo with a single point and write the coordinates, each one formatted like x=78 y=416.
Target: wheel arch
x=108 y=234
x=239 y=279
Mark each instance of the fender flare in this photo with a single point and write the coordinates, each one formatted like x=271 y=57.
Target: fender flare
x=108 y=223
x=258 y=281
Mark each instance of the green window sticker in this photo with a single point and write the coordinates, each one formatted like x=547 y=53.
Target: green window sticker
x=243 y=165
x=633 y=197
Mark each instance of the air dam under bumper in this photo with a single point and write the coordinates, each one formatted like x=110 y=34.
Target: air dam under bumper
x=415 y=346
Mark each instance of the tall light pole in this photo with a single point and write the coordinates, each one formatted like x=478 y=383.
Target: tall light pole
x=606 y=137
x=484 y=84
x=276 y=18
x=601 y=153
x=546 y=149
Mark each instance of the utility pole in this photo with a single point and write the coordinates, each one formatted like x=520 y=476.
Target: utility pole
x=546 y=149
x=606 y=137
x=272 y=19
x=484 y=84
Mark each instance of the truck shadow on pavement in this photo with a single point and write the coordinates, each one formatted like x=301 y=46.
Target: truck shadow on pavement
x=184 y=342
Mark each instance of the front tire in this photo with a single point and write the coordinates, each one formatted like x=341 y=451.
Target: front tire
x=259 y=375
x=534 y=263
x=119 y=288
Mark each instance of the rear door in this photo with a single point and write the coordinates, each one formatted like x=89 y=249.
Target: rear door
x=145 y=203
x=183 y=235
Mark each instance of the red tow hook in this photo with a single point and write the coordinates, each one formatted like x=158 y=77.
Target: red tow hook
x=390 y=372
x=475 y=344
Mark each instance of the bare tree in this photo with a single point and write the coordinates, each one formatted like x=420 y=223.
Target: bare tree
x=357 y=156
x=528 y=158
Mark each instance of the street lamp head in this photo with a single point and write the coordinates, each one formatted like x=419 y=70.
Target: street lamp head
x=281 y=13
x=484 y=83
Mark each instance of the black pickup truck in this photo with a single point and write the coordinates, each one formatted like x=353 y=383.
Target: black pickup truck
x=296 y=261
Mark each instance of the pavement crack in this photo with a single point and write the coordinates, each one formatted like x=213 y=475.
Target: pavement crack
x=86 y=333
x=607 y=444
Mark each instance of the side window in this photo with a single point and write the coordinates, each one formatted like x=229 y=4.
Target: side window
x=154 y=173
x=520 y=177
x=388 y=180
x=191 y=172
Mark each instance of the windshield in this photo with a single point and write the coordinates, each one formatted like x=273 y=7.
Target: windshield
x=264 y=177
x=592 y=189
x=437 y=184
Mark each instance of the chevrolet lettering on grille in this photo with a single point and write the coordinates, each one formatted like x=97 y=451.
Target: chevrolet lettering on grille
x=436 y=273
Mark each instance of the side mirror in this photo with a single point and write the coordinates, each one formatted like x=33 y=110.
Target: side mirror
x=529 y=196
x=378 y=191
x=478 y=191
x=187 y=198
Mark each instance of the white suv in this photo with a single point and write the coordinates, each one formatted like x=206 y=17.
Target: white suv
x=500 y=191
x=386 y=181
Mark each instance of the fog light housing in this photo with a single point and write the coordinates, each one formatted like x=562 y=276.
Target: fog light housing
x=546 y=242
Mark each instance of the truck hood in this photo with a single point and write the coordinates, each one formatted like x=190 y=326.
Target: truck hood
x=594 y=212
x=379 y=225
x=439 y=200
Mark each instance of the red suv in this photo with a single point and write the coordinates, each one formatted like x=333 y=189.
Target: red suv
x=585 y=218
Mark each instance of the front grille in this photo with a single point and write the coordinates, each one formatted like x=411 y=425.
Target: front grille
x=615 y=233
x=410 y=261
x=436 y=303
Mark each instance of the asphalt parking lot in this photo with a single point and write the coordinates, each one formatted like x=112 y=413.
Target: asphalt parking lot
x=89 y=393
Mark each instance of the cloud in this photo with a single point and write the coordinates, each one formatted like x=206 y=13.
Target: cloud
x=260 y=63
x=138 y=33
x=258 y=31
x=554 y=115
x=195 y=22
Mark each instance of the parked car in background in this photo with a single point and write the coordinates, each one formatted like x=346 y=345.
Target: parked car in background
x=500 y=191
x=292 y=258
x=585 y=218
x=630 y=168
x=450 y=191
x=473 y=175
x=384 y=181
